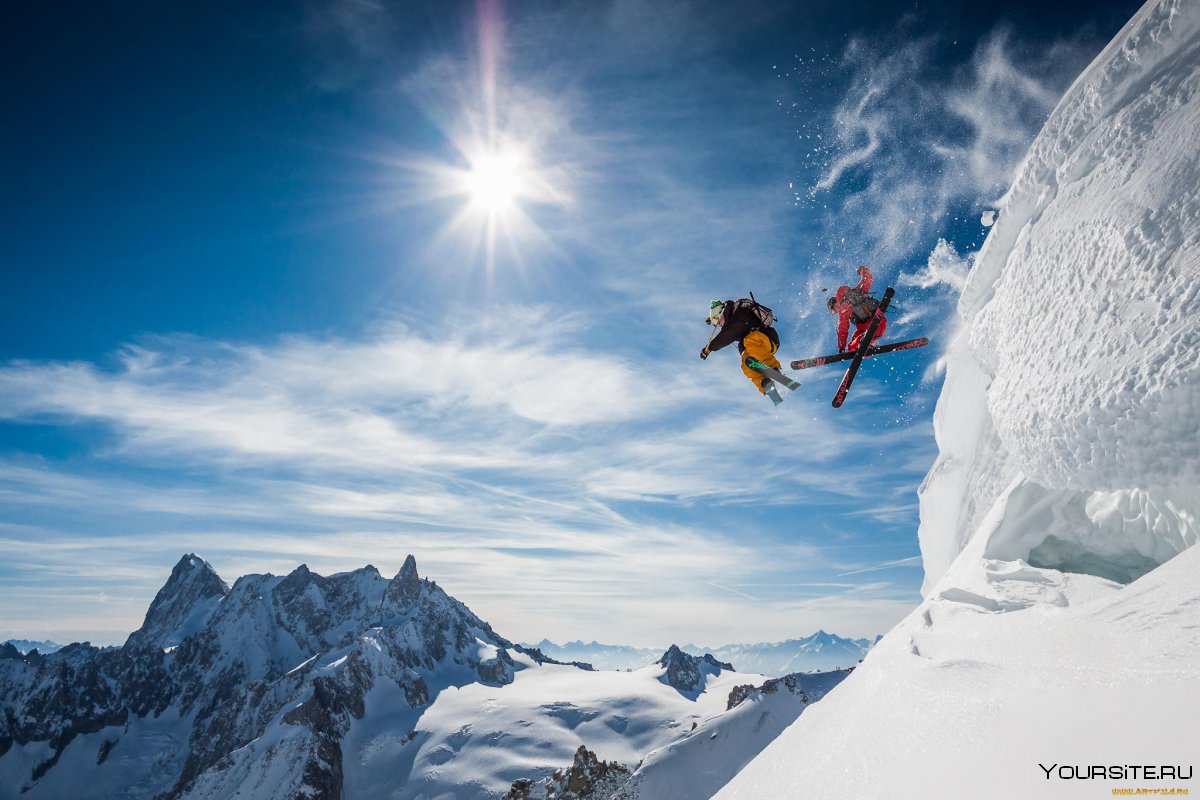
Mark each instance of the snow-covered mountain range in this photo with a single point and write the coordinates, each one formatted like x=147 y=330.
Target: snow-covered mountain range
x=356 y=686
x=819 y=652
x=1057 y=651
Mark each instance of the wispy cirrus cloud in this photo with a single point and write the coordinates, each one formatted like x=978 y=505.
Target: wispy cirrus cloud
x=909 y=141
x=356 y=401
x=481 y=408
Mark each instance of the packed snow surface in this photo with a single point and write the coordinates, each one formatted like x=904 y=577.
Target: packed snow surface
x=1077 y=366
x=987 y=680
x=706 y=759
x=1060 y=633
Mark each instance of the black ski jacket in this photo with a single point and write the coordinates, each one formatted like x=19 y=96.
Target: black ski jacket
x=738 y=325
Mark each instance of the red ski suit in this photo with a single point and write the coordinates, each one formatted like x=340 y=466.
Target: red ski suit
x=847 y=311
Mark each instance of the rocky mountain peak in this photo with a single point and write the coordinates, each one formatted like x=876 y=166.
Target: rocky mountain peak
x=296 y=582
x=686 y=672
x=587 y=778
x=407 y=577
x=209 y=652
x=183 y=605
x=404 y=589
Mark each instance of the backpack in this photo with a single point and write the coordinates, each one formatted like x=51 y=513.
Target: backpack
x=764 y=315
x=862 y=305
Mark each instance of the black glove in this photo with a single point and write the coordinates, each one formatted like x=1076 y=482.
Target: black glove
x=704 y=352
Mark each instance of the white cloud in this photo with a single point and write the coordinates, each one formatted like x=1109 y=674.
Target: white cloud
x=399 y=394
x=488 y=409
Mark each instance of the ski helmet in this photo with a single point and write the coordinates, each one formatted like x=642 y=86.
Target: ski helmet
x=831 y=302
x=716 y=311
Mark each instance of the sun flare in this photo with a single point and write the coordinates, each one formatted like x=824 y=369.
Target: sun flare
x=494 y=182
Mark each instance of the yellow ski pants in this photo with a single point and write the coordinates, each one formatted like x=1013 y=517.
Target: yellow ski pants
x=758 y=345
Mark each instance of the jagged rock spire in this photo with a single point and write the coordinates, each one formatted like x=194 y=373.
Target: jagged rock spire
x=404 y=589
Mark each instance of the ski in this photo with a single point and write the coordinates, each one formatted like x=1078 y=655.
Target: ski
x=773 y=394
x=773 y=374
x=843 y=390
x=871 y=351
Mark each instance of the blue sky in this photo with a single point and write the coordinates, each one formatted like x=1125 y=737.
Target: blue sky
x=255 y=305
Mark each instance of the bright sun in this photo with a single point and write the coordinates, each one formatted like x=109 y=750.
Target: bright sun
x=494 y=182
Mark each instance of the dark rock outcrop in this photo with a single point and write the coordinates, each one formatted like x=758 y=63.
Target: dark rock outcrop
x=686 y=672
x=587 y=778
x=808 y=686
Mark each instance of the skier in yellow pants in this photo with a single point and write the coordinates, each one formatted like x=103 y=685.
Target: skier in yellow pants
x=748 y=323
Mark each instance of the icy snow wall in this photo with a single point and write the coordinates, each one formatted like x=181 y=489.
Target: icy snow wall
x=1070 y=418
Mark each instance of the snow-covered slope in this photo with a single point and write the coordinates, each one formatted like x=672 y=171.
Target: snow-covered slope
x=706 y=759
x=1060 y=621
x=967 y=697
x=698 y=762
x=475 y=740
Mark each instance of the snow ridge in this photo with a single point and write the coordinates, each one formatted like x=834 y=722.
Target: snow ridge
x=1075 y=371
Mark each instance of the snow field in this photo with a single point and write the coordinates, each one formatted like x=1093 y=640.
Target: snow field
x=475 y=740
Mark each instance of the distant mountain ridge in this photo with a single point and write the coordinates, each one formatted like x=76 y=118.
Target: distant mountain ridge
x=27 y=645
x=820 y=652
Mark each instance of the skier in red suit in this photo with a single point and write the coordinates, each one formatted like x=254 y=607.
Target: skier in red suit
x=858 y=306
